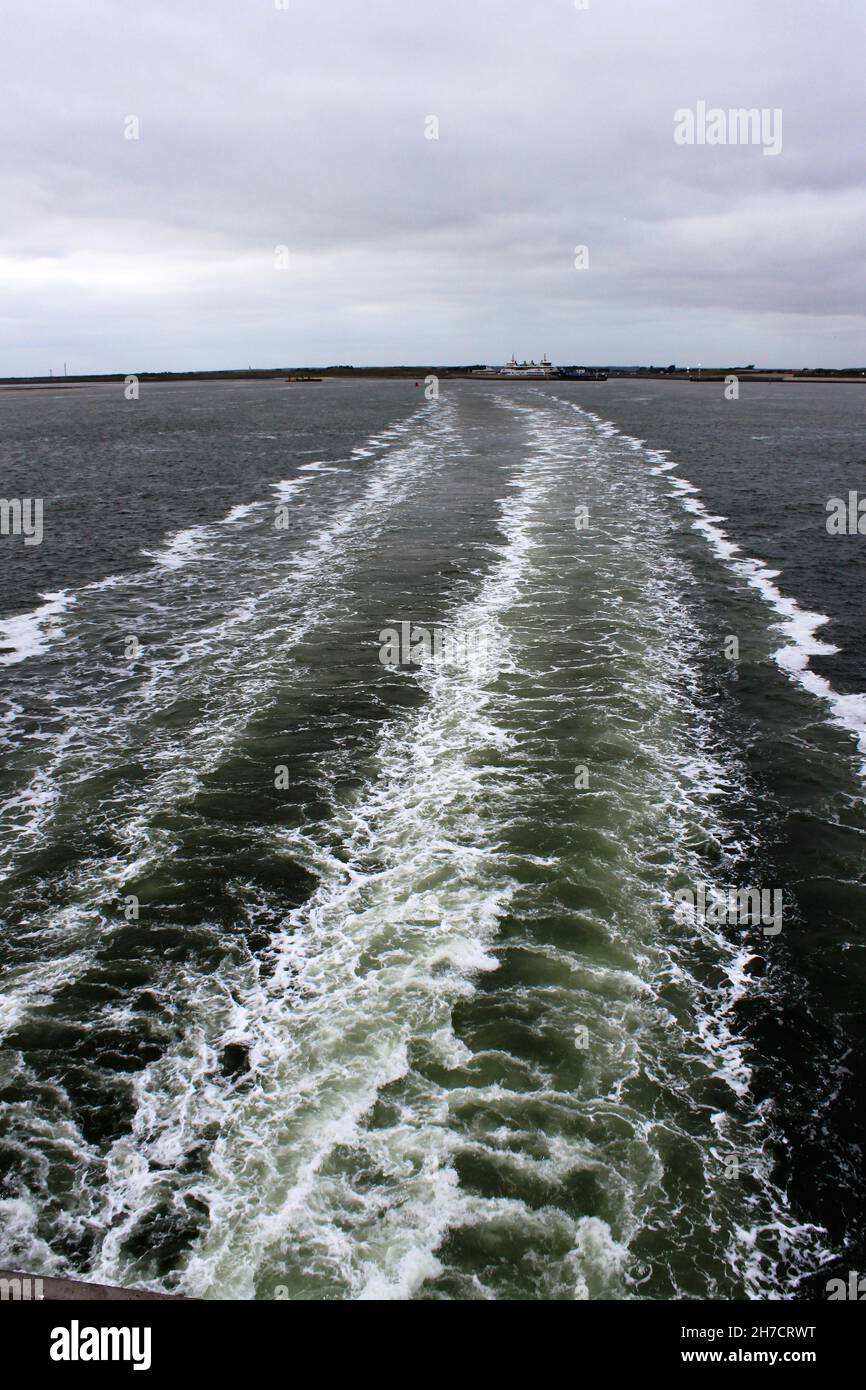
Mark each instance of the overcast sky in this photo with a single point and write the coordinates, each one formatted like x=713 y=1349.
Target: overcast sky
x=305 y=127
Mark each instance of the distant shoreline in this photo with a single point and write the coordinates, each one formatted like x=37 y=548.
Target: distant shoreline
x=303 y=376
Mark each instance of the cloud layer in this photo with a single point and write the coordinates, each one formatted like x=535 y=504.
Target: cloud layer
x=305 y=127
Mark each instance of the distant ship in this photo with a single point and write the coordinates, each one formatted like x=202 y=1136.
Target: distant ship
x=541 y=371
x=532 y=371
x=535 y=370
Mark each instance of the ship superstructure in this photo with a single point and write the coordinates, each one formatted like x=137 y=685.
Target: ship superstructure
x=532 y=371
x=541 y=371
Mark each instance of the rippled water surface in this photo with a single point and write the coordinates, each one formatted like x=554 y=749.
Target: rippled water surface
x=323 y=978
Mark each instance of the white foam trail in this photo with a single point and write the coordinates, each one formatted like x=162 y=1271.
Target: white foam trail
x=239 y=512
x=180 y=766
x=286 y=489
x=31 y=634
x=36 y=984
x=799 y=626
x=370 y=945
x=180 y=548
x=300 y=1178
x=184 y=546
x=302 y=1174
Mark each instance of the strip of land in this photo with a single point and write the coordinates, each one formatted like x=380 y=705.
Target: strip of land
x=305 y=376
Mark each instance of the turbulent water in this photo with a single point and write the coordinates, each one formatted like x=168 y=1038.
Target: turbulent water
x=325 y=978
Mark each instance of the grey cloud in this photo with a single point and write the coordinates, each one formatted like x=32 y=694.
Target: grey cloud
x=306 y=127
